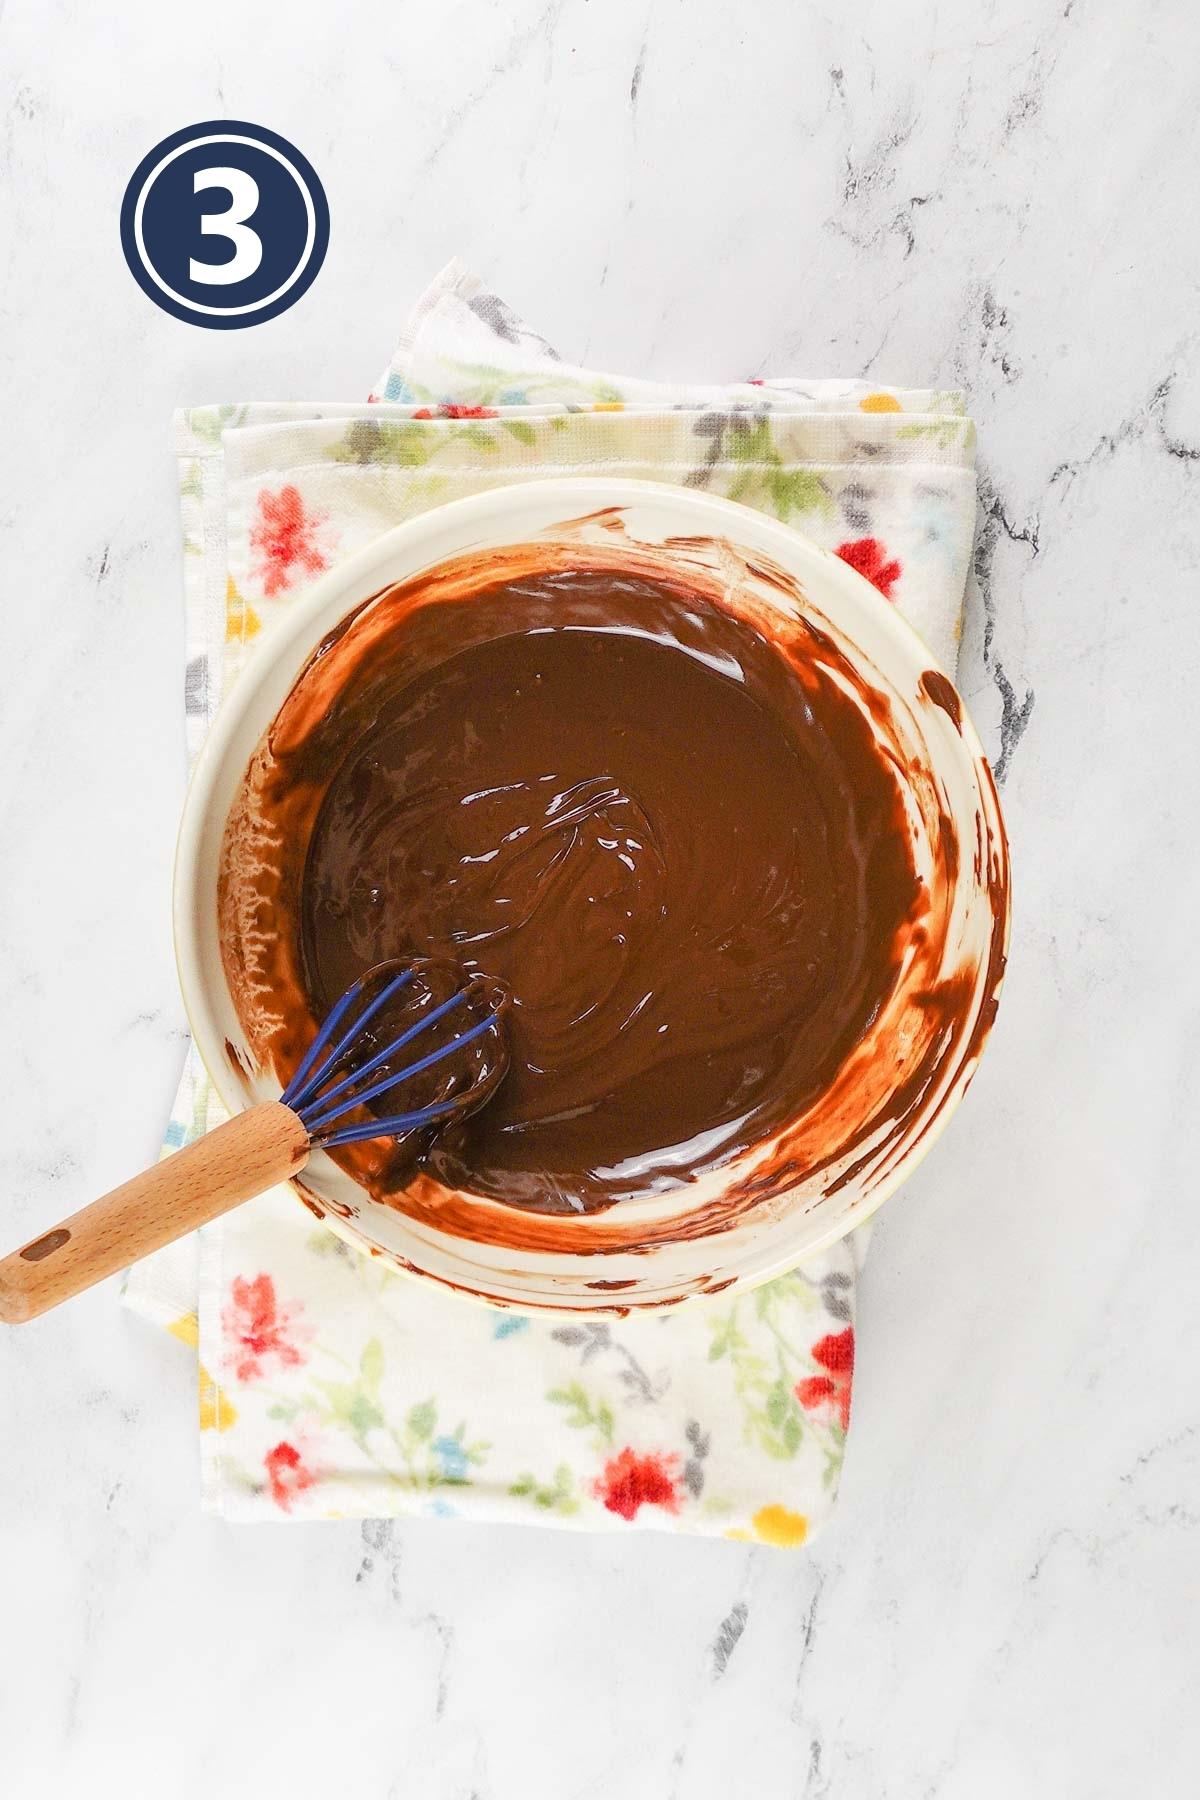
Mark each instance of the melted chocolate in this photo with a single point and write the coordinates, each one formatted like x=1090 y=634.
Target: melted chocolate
x=646 y=796
x=689 y=868
x=943 y=693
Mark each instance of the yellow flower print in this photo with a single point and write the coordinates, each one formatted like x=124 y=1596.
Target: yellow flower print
x=187 y=1329
x=776 y=1525
x=609 y=406
x=216 y=1413
x=241 y=621
x=880 y=403
x=772 y=1525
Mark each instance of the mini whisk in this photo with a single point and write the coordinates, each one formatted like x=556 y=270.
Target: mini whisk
x=356 y=1058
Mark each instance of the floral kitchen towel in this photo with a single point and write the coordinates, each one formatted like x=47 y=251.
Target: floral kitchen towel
x=329 y=1385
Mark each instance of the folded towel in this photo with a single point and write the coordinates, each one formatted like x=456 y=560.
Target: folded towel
x=329 y=1385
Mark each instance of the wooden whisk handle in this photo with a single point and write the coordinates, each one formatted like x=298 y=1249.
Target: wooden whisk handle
x=232 y=1163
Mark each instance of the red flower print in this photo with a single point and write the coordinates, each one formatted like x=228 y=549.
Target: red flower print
x=870 y=558
x=448 y=411
x=835 y=1353
x=630 y=1481
x=287 y=1474
x=259 y=1327
x=285 y=540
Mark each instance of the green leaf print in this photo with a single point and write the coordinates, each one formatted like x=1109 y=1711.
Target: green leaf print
x=726 y=1337
x=415 y=1455
x=477 y=436
x=557 y=1495
x=371 y=1363
x=582 y=1414
x=404 y=444
x=798 y=491
x=942 y=432
x=763 y=476
x=521 y=429
x=351 y=1405
x=412 y=443
x=363 y=1415
x=422 y=1419
x=208 y=422
x=778 y=1399
x=834 y=1453
x=765 y=1370
x=769 y=1298
x=751 y=442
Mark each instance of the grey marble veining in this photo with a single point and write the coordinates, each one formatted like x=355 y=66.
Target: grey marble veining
x=992 y=194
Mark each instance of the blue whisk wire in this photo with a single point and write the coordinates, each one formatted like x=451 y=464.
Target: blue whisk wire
x=302 y=1083
x=320 y=1118
x=382 y=1056
x=320 y=1106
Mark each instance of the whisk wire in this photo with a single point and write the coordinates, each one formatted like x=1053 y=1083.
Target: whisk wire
x=320 y=1105
x=307 y=1077
x=322 y=1100
x=314 y=1119
x=389 y=1127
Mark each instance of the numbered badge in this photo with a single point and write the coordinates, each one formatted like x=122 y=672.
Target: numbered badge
x=224 y=224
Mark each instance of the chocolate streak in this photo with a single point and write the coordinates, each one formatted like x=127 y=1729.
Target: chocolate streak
x=673 y=821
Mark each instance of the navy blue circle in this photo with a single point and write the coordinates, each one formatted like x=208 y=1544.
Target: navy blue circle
x=173 y=237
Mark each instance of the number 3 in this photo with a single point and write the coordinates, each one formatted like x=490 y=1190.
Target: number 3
x=231 y=224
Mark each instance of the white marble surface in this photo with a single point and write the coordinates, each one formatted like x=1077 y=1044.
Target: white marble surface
x=996 y=194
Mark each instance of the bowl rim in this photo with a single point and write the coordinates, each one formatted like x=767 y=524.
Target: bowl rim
x=352 y=579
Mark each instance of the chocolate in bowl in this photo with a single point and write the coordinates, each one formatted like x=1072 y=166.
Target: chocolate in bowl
x=681 y=850
x=591 y=1199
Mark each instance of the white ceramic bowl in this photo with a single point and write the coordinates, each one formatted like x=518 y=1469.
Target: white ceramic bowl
x=632 y=1255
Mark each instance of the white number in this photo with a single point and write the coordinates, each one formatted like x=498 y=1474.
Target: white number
x=243 y=198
